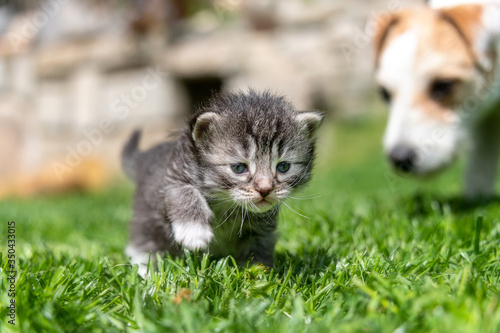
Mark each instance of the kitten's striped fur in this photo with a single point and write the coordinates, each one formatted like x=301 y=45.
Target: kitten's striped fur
x=188 y=194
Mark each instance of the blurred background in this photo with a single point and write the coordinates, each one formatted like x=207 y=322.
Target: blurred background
x=77 y=76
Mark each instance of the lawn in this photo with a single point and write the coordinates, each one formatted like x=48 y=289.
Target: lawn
x=363 y=250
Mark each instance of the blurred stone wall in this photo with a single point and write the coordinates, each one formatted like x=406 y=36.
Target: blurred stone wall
x=77 y=76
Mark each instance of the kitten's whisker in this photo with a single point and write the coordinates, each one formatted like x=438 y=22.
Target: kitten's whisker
x=246 y=210
x=228 y=215
x=295 y=211
x=240 y=233
x=227 y=210
x=305 y=197
x=282 y=211
x=221 y=203
x=250 y=224
x=296 y=208
x=266 y=217
x=254 y=208
x=277 y=207
x=232 y=227
x=220 y=199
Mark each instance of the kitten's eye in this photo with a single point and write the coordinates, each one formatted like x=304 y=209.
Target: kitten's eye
x=442 y=88
x=385 y=94
x=283 y=167
x=239 y=168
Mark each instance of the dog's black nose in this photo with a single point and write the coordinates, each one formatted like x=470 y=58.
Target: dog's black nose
x=403 y=158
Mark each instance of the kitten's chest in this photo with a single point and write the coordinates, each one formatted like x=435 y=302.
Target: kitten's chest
x=232 y=225
x=229 y=225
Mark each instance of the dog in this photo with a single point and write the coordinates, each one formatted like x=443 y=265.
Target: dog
x=437 y=68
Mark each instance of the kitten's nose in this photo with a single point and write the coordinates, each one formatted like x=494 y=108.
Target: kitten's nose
x=264 y=186
x=264 y=193
x=403 y=158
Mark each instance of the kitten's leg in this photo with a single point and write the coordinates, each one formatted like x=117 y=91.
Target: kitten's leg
x=258 y=247
x=149 y=235
x=263 y=249
x=483 y=159
x=190 y=216
x=140 y=258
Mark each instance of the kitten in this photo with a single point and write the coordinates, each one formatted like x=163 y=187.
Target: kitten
x=219 y=186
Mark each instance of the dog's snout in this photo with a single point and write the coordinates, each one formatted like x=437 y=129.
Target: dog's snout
x=403 y=158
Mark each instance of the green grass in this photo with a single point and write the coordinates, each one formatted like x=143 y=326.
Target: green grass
x=377 y=253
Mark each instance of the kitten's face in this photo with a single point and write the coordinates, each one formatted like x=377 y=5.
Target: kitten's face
x=255 y=176
x=256 y=156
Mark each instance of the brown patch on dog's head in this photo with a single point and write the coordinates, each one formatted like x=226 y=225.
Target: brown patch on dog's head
x=460 y=21
x=384 y=25
x=466 y=21
x=389 y=27
x=448 y=35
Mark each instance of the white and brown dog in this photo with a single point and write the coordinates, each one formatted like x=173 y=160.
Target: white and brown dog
x=438 y=70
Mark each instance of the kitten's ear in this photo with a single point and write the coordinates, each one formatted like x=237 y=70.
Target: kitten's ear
x=202 y=125
x=310 y=120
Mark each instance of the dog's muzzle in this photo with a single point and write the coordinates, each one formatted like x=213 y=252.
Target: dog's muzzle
x=403 y=158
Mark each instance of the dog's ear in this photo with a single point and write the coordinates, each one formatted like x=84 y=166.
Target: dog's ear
x=383 y=23
x=479 y=27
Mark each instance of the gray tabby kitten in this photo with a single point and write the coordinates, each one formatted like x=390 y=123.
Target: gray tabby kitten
x=219 y=186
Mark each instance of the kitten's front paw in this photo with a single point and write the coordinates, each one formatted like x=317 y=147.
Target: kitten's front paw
x=193 y=236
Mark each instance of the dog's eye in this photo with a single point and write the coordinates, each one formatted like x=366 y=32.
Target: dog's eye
x=440 y=89
x=385 y=94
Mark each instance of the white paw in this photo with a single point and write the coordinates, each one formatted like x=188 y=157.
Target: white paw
x=138 y=258
x=193 y=236
x=143 y=271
